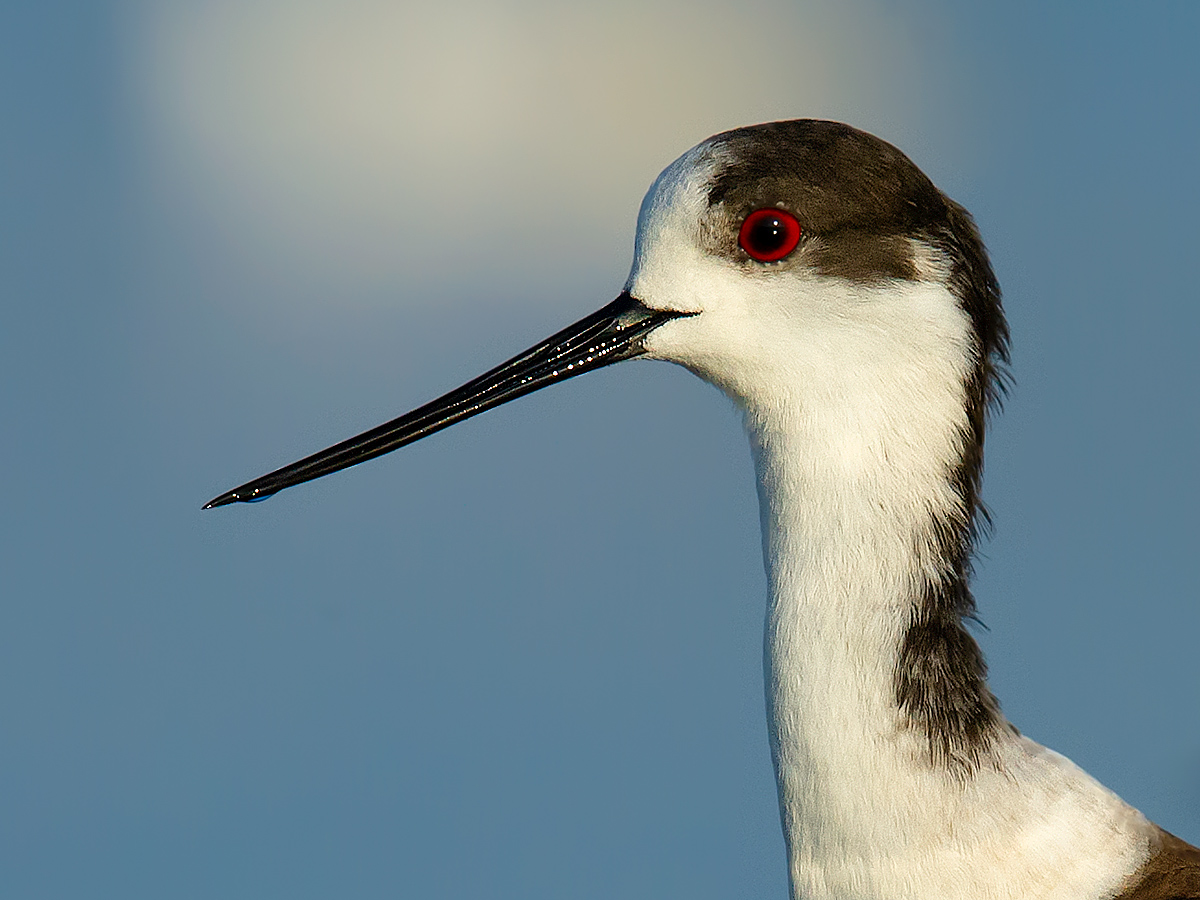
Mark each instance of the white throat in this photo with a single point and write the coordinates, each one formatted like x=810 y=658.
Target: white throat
x=854 y=400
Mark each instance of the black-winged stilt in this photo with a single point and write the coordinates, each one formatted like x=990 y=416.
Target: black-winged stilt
x=815 y=275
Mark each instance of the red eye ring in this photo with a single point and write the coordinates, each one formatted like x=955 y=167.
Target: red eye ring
x=768 y=235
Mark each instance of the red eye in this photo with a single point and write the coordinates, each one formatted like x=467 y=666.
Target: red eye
x=769 y=234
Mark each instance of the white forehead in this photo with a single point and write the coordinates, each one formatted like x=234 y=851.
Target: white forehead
x=679 y=194
x=669 y=221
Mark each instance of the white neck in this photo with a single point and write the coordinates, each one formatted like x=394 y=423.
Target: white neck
x=848 y=501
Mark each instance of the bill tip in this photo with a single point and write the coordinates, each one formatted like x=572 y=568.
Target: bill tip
x=239 y=495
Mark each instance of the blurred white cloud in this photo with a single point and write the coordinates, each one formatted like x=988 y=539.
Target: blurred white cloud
x=383 y=144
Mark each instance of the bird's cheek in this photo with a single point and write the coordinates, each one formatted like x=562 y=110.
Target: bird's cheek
x=693 y=344
x=670 y=343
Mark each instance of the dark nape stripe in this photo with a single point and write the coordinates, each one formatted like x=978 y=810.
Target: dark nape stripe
x=941 y=679
x=941 y=676
x=974 y=284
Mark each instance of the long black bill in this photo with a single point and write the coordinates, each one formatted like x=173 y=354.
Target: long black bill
x=610 y=335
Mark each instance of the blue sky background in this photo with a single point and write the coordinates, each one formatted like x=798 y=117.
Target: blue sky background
x=522 y=658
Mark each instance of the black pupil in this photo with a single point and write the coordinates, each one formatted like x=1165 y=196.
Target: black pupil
x=767 y=235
